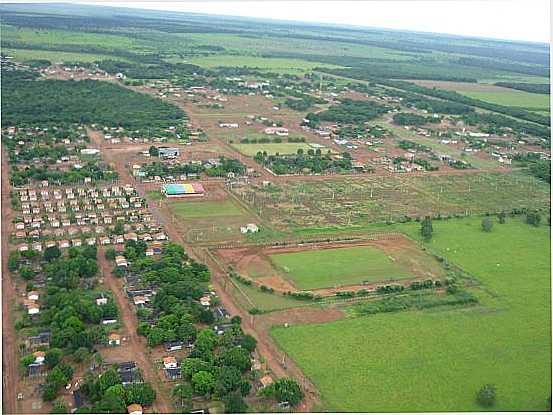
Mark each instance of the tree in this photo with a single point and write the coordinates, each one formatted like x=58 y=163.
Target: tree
x=109 y=378
x=81 y=354
x=234 y=404
x=203 y=383
x=487 y=224
x=154 y=152
x=426 y=228
x=248 y=342
x=229 y=379
x=110 y=254
x=26 y=361
x=51 y=253
x=141 y=393
x=533 y=218
x=237 y=357
x=502 y=216
x=192 y=365
x=53 y=357
x=486 y=396
x=285 y=390
x=26 y=273
x=59 y=407
x=13 y=261
x=182 y=393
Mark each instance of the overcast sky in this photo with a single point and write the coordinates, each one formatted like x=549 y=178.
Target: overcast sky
x=504 y=19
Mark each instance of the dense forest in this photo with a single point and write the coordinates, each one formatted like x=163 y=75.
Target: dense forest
x=522 y=86
x=85 y=102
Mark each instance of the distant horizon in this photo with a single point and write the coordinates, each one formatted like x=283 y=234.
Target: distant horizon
x=492 y=20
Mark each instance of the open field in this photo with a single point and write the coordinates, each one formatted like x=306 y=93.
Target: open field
x=437 y=360
x=55 y=56
x=271 y=148
x=187 y=209
x=492 y=93
x=270 y=64
x=512 y=98
x=341 y=266
x=345 y=202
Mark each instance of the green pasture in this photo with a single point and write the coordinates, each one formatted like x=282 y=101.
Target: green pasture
x=512 y=98
x=340 y=266
x=437 y=360
x=272 y=64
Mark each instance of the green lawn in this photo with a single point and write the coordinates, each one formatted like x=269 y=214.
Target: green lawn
x=512 y=98
x=437 y=360
x=341 y=266
x=185 y=209
x=271 y=148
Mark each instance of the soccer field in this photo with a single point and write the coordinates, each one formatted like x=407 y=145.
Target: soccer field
x=186 y=209
x=340 y=266
x=436 y=360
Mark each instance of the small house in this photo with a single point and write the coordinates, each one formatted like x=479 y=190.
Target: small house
x=39 y=357
x=134 y=409
x=173 y=346
x=170 y=362
x=114 y=339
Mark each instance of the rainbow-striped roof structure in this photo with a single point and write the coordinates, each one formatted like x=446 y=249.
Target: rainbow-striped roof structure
x=183 y=189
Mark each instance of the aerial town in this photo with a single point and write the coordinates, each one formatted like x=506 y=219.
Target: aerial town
x=203 y=214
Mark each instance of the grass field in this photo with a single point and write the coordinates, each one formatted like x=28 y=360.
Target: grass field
x=293 y=66
x=55 y=56
x=210 y=209
x=437 y=360
x=494 y=94
x=512 y=98
x=271 y=148
x=341 y=266
x=262 y=300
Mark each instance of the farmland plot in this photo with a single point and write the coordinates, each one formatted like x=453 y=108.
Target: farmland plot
x=377 y=199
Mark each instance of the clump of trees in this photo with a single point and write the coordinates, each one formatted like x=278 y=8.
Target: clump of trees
x=311 y=162
x=284 y=390
x=107 y=394
x=348 y=111
x=403 y=118
x=218 y=366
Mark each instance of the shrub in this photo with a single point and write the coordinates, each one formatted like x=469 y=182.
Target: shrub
x=486 y=396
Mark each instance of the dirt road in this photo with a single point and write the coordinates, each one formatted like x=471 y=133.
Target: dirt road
x=10 y=375
x=136 y=343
